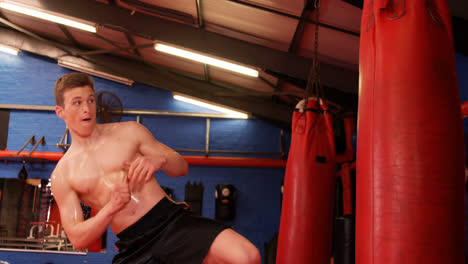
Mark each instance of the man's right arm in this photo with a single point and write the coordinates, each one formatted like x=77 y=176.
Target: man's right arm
x=81 y=233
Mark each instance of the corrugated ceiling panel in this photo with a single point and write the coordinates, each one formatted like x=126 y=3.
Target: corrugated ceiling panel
x=287 y=87
x=91 y=40
x=248 y=20
x=178 y=11
x=35 y=24
x=342 y=47
x=184 y=6
x=248 y=38
x=339 y=14
x=293 y=7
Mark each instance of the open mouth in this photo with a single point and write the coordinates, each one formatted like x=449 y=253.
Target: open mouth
x=86 y=119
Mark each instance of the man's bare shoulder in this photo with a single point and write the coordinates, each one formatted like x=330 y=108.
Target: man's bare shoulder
x=131 y=125
x=59 y=170
x=119 y=127
x=130 y=128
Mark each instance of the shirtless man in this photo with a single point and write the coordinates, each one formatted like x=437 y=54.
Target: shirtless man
x=110 y=167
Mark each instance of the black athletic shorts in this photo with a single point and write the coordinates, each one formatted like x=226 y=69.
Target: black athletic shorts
x=167 y=234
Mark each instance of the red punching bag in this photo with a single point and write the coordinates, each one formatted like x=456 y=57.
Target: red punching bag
x=410 y=149
x=305 y=234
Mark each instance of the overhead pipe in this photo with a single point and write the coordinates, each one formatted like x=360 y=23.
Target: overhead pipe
x=51 y=156
x=235 y=162
x=209 y=161
x=192 y=160
x=348 y=156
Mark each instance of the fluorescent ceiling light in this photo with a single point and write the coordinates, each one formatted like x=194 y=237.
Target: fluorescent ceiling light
x=198 y=102
x=47 y=15
x=108 y=76
x=205 y=59
x=9 y=50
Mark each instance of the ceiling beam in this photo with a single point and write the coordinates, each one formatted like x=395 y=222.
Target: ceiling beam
x=160 y=11
x=308 y=8
x=131 y=42
x=139 y=72
x=69 y=35
x=155 y=28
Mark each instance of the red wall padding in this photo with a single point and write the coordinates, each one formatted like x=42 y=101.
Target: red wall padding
x=410 y=149
x=305 y=234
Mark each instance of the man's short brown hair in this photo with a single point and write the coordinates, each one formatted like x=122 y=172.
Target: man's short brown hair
x=69 y=81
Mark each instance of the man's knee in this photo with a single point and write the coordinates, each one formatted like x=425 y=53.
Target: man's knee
x=230 y=247
x=253 y=256
x=249 y=255
x=241 y=255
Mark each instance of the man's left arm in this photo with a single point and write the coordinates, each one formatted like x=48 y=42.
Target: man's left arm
x=155 y=156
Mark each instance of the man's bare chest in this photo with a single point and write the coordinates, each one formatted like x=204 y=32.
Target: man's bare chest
x=98 y=169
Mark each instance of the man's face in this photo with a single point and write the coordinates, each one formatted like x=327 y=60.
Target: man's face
x=79 y=110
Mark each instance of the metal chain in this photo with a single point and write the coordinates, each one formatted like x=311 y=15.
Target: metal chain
x=313 y=83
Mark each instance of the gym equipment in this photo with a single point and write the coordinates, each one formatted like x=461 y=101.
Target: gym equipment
x=194 y=197
x=344 y=231
x=305 y=234
x=410 y=149
x=344 y=240
x=225 y=206
x=23 y=174
x=109 y=108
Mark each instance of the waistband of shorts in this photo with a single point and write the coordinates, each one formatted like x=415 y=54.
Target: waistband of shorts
x=164 y=210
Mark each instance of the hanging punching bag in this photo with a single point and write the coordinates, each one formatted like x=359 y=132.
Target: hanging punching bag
x=307 y=214
x=410 y=156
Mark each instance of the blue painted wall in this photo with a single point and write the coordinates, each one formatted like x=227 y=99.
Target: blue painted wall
x=29 y=79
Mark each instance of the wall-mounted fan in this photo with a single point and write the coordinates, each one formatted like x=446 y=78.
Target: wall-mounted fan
x=108 y=107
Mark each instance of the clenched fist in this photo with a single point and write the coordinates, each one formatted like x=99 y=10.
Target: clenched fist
x=142 y=168
x=120 y=196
